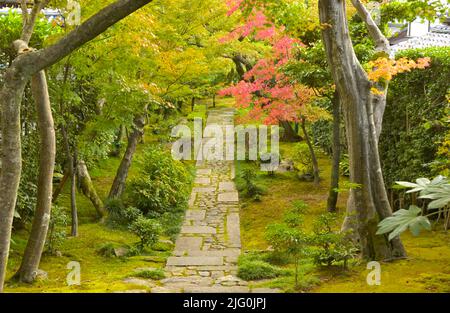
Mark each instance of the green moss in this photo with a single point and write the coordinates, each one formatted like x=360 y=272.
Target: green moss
x=426 y=269
x=155 y=274
x=98 y=274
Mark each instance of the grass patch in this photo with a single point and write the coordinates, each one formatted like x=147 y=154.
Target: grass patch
x=155 y=274
x=426 y=270
x=98 y=274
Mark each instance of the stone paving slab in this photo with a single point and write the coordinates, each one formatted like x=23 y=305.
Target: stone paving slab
x=195 y=214
x=203 y=171
x=227 y=186
x=198 y=230
x=204 y=189
x=188 y=243
x=202 y=181
x=228 y=197
x=193 y=260
x=233 y=230
x=225 y=253
x=217 y=289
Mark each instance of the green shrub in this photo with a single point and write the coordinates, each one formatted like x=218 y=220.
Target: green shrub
x=119 y=215
x=302 y=159
x=163 y=184
x=107 y=250
x=250 y=187
x=412 y=122
x=344 y=166
x=155 y=274
x=57 y=229
x=267 y=159
x=171 y=224
x=148 y=231
x=162 y=246
x=330 y=246
x=257 y=269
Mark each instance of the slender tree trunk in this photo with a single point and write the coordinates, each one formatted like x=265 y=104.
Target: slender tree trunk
x=118 y=141
x=88 y=189
x=27 y=64
x=38 y=235
x=312 y=152
x=363 y=112
x=71 y=164
x=11 y=159
x=119 y=183
x=73 y=194
x=214 y=100
x=60 y=186
x=289 y=134
x=192 y=104
x=333 y=194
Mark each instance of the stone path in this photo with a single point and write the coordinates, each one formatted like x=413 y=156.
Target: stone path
x=207 y=249
x=209 y=244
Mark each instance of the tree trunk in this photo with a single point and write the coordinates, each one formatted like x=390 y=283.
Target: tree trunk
x=192 y=104
x=289 y=135
x=11 y=159
x=118 y=185
x=118 y=141
x=214 y=100
x=87 y=187
x=27 y=64
x=363 y=111
x=73 y=196
x=333 y=194
x=38 y=234
x=71 y=164
x=60 y=186
x=312 y=152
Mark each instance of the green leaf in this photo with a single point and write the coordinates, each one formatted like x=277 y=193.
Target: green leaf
x=402 y=220
x=439 y=203
x=17 y=215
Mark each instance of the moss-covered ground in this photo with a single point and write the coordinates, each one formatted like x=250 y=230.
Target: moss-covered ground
x=427 y=268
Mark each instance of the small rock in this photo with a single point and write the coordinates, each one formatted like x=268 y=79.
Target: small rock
x=58 y=254
x=204 y=273
x=120 y=252
x=165 y=290
x=139 y=282
x=140 y=269
x=132 y=291
x=41 y=275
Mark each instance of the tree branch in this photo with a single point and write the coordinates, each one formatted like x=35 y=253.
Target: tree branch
x=33 y=62
x=381 y=42
x=29 y=20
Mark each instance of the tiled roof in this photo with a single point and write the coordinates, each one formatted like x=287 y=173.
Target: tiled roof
x=432 y=39
x=442 y=29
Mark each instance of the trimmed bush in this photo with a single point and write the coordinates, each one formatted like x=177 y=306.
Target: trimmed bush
x=412 y=126
x=155 y=274
x=148 y=231
x=257 y=269
x=163 y=184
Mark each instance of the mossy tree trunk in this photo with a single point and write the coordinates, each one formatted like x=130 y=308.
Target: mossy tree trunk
x=363 y=112
x=47 y=151
x=315 y=163
x=120 y=179
x=88 y=189
x=28 y=63
x=334 y=185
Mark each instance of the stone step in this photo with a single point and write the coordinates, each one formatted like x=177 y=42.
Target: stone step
x=228 y=197
x=217 y=289
x=198 y=230
x=194 y=261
